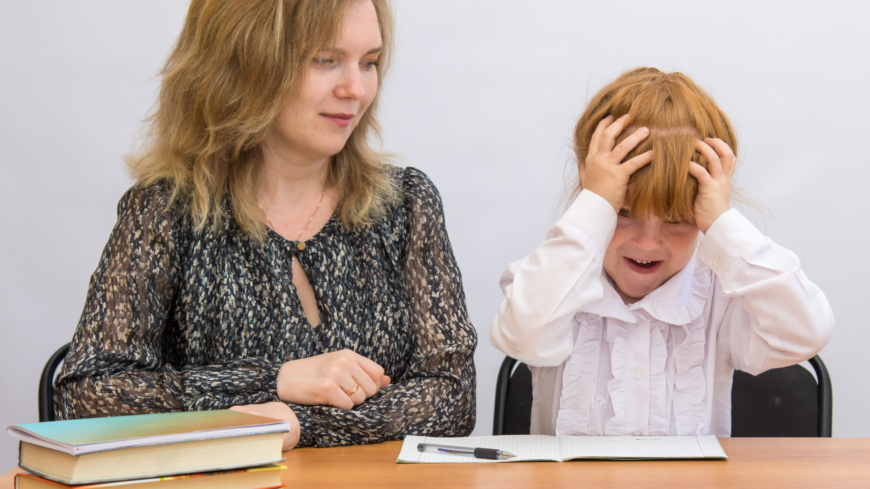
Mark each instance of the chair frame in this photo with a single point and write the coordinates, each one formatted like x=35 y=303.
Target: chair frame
x=826 y=397
x=46 y=384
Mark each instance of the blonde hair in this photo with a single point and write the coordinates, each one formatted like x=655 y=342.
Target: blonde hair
x=234 y=67
x=677 y=112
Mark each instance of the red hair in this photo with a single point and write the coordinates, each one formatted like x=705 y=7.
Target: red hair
x=677 y=112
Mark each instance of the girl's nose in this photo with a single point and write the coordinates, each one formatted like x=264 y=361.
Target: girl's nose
x=350 y=85
x=649 y=237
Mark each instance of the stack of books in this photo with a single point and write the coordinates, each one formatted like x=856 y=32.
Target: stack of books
x=191 y=450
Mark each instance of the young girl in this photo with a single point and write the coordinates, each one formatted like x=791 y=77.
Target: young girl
x=631 y=320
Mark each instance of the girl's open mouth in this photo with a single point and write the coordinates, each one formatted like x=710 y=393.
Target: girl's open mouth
x=643 y=266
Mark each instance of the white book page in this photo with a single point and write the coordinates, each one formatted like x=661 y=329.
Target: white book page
x=527 y=448
x=640 y=447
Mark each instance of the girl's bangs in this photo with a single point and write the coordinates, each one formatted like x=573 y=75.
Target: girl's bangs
x=664 y=187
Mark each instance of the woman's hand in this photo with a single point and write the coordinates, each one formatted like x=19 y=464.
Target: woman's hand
x=341 y=379
x=604 y=172
x=714 y=182
x=276 y=410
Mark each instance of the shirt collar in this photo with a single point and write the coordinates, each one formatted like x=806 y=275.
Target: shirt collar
x=678 y=301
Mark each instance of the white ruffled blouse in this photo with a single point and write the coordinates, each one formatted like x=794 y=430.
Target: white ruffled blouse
x=663 y=365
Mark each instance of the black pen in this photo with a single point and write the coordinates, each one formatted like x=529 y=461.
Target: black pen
x=490 y=453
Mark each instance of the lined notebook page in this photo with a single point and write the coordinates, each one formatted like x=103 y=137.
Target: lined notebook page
x=527 y=448
x=641 y=447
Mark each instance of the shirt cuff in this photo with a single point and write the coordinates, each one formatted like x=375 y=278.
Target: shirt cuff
x=726 y=240
x=594 y=217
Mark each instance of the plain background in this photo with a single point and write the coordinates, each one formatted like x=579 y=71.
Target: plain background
x=482 y=97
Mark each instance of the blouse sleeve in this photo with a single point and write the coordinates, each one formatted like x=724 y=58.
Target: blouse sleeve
x=773 y=315
x=119 y=362
x=436 y=394
x=544 y=290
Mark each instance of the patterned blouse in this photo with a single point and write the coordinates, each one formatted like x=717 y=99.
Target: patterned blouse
x=180 y=320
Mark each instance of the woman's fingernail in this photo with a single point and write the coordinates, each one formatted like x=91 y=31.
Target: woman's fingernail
x=643 y=130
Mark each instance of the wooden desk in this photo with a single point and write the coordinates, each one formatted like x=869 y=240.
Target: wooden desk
x=753 y=462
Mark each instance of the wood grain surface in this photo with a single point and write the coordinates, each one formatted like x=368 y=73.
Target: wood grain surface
x=753 y=462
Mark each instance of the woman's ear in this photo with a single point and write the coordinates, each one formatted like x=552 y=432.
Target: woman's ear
x=581 y=170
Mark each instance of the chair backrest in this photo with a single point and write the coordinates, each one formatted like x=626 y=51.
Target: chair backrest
x=46 y=384
x=513 y=399
x=780 y=402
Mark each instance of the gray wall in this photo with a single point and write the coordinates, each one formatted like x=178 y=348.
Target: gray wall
x=483 y=97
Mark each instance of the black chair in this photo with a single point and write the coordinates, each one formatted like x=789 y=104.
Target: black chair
x=780 y=402
x=46 y=384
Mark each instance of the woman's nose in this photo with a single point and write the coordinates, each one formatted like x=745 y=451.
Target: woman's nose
x=350 y=85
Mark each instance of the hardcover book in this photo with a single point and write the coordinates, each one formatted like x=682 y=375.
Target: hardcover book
x=87 y=451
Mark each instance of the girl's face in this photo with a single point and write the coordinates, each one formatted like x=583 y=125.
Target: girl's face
x=645 y=253
x=339 y=85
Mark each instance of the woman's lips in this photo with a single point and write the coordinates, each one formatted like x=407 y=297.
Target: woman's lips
x=342 y=120
x=643 y=267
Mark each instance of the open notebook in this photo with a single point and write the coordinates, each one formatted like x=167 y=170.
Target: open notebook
x=529 y=448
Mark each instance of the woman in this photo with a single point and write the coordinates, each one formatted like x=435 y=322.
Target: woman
x=267 y=260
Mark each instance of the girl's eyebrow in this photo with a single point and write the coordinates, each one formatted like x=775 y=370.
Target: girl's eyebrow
x=341 y=52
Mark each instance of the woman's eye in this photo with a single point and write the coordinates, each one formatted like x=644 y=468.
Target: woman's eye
x=323 y=61
x=623 y=212
x=370 y=64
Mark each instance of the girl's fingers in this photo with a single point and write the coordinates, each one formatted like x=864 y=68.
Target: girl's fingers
x=637 y=162
x=608 y=137
x=700 y=173
x=596 y=136
x=714 y=165
x=726 y=155
x=629 y=143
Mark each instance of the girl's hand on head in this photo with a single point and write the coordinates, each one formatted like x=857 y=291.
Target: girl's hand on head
x=714 y=182
x=276 y=410
x=604 y=172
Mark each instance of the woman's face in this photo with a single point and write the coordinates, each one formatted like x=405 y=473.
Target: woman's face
x=339 y=85
x=645 y=253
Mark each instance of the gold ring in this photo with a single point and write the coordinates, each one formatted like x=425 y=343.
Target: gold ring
x=350 y=392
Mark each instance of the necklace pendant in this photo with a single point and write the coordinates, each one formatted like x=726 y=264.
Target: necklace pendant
x=301 y=246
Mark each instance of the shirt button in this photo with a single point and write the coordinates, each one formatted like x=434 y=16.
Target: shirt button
x=301 y=246
x=637 y=433
x=637 y=374
x=716 y=263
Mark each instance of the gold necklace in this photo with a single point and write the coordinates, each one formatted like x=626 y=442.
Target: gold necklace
x=301 y=244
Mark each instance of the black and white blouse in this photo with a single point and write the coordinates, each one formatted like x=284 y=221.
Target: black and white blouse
x=179 y=320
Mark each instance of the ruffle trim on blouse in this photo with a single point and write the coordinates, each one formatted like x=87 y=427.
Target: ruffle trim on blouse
x=578 y=380
x=616 y=334
x=690 y=384
x=659 y=419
